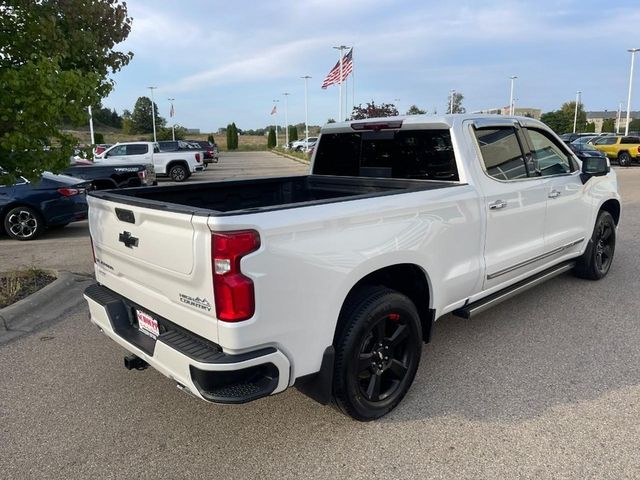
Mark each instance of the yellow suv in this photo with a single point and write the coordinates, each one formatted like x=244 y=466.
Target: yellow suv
x=624 y=149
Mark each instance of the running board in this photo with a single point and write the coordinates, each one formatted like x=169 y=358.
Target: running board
x=494 y=299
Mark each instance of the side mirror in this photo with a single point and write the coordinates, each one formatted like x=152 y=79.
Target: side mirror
x=594 y=167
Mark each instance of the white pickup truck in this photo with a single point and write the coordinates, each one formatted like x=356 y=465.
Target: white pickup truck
x=178 y=165
x=331 y=282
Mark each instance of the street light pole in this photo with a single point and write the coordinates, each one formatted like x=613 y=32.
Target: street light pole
x=633 y=55
x=306 y=110
x=153 y=113
x=93 y=140
x=173 y=125
x=286 y=120
x=618 y=118
x=575 y=114
x=511 y=112
x=274 y=102
x=397 y=100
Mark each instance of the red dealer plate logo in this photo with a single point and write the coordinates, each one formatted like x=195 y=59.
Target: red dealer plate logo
x=147 y=324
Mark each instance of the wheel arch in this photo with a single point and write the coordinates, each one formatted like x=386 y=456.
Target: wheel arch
x=613 y=207
x=406 y=278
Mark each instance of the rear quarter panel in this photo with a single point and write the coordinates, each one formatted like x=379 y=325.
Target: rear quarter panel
x=311 y=257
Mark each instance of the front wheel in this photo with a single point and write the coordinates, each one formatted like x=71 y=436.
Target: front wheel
x=597 y=259
x=23 y=223
x=377 y=353
x=624 y=159
x=178 y=173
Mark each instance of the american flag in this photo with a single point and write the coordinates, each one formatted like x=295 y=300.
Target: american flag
x=334 y=75
x=274 y=110
x=172 y=111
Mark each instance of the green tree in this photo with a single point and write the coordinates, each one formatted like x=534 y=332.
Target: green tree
x=271 y=139
x=414 y=110
x=608 y=125
x=634 y=125
x=590 y=127
x=371 y=110
x=331 y=120
x=232 y=137
x=455 y=105
x=98 y=137
x=293 y=133
x=558 y=120
x=166 y=133
x=211 y=138
x=569 y=108
x=56 y=58
x=141 y=117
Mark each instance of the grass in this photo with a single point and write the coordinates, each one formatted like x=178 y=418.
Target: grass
x=18 y=284
x=292 y=153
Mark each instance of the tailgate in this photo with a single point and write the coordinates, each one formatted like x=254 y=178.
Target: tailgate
x=148 y=256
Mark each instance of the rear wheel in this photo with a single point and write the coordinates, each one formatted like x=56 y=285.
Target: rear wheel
x=377 y=353
x=624 y=159
x=178 y=173
x=23 y=223
x=596 y=261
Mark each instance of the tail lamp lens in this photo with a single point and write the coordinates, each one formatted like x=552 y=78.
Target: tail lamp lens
x=233 y=292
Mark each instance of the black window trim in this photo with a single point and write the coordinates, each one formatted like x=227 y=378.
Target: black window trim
x=521 y=142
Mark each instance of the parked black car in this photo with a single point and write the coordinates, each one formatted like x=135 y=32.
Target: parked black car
x=585 y=150
x=28 y=209
x=210 y=150
x=105 y=176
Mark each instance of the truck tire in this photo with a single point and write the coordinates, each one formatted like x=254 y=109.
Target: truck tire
x=377 y=352
x=597 y=259
x=178 y=173
x=23 y=223
x=624 y=159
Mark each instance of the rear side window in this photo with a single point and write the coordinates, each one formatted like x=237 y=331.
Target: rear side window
x=137 y=149
x=606 y=141
x=501 y=153
x=409 y=154
x=627 y=140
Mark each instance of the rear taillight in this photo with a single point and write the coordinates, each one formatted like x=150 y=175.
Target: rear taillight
x=143 y=177
x=198 y=157
x=638 y=149
x=234 y=293
x=70 y=192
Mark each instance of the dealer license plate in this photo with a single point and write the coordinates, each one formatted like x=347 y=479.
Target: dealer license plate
x=147 y=324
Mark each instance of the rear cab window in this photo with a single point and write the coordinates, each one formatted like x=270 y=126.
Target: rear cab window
x=137 y=149
x=402 y=154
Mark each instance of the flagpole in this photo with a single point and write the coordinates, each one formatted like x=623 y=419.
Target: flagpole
x=173 y=123
x=276 y=107
x=286 y=120
x=353 y=83
x=341 y=48
x=306 y=111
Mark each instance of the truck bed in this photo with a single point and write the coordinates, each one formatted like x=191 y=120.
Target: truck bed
x=264 y=194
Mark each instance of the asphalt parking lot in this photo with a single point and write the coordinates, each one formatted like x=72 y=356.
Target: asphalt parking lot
x=546 y=385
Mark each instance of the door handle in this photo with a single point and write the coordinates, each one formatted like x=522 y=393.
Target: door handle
x=498 y=204
x=554 y=193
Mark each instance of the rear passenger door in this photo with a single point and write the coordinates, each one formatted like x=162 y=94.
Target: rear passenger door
x=515 y=203
x=138 y=152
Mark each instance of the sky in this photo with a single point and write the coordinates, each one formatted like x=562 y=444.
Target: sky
x=227 y=61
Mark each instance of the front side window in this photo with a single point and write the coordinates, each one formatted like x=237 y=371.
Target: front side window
x=605 y=141
x=501 y=153
x=551 y=158
x=119 y=150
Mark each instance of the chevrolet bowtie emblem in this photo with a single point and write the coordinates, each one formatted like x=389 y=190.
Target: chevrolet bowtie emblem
x=128 y=240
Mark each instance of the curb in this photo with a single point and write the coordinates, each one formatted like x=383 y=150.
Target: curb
x=43 y=307
x=291 y=157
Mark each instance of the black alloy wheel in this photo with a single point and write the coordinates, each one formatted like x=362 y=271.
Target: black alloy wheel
x=597 y=259
x=178 y=173
x=377 y=354
x=624 y=159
